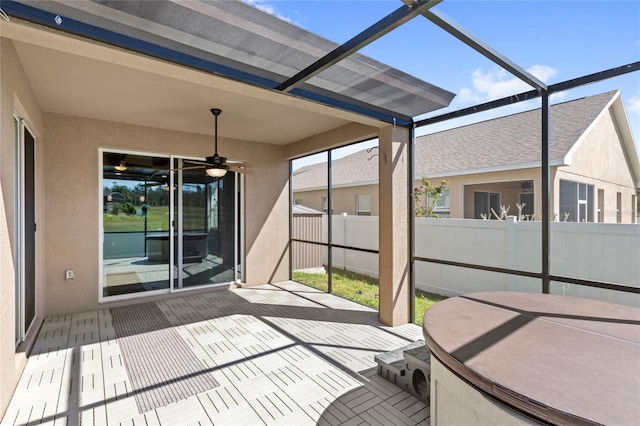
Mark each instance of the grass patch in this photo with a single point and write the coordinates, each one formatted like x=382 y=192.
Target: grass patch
x=193 y=219
x=157 y=220
x=423 y=302
x=361 y=289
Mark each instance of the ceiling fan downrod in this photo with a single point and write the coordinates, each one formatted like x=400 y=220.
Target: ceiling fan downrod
x=216 y=112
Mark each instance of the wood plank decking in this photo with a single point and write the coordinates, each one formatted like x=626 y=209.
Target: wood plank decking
x=280 y=354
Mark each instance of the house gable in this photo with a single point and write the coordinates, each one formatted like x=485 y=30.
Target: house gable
x=601 y=153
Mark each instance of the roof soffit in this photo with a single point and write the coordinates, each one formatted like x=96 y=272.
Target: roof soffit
x=72 y=75
x=258 y=46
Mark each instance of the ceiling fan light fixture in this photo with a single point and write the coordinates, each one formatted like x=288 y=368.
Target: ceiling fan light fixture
x=215 y=172
x=121 y=168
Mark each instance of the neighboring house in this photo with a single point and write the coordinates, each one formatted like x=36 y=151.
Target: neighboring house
x=594 y=167
x=354 y=179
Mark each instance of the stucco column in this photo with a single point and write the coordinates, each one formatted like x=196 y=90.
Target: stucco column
x=394 y=262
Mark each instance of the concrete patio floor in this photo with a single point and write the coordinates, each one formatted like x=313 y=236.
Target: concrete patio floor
x=272 y=354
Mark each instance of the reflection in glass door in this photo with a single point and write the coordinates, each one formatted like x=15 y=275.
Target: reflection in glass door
x=204 y=220
x=143 y=251
x=135 y=224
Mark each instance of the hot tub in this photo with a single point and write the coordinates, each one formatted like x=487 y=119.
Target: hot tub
x=523 y=358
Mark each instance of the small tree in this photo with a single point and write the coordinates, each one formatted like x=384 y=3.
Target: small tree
x=433 y=194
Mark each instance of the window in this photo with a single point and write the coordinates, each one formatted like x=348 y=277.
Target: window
x=576 y=202
x=297 y=202
x=600 y=205
x=363 y=205
x=484 y=202
x=619 y=207
x=443 y=204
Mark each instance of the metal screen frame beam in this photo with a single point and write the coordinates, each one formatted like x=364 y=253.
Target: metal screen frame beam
x=533 y=94
x=390 y=22
x=465 y=36
x=546 y=192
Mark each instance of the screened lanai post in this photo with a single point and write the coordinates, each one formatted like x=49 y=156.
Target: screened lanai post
x=394 y=254
x=546 y=191
x=411 y=217
x=329 y=227
x=290 y=244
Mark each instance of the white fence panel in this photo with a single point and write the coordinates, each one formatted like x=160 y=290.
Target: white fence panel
x=597 y=252
x=353 y=231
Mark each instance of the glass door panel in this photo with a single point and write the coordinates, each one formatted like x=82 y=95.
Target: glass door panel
x=204 y=217
x=135 y=223
x=25 y=237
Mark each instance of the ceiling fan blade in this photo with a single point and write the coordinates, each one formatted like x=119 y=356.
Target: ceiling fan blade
x=234 y=161
x=201 y=166
x=200 y=162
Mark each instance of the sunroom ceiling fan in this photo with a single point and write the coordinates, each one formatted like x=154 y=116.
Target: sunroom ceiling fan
x=216 y=165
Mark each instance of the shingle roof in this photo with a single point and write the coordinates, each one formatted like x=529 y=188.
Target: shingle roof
x=512 y=140
x=358 y=168
x=507 y=141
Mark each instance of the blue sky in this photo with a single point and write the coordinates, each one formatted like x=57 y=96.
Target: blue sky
x=554 y=40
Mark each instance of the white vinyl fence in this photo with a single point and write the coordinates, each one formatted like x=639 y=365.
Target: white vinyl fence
x=591 y=251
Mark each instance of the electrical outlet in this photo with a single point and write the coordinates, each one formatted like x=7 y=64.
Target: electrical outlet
x=68 y=274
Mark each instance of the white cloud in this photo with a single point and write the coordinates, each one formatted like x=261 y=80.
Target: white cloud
x=468 y=96
x=268 y=7
x=498 y=83
x=558 y=96
x=633 y=105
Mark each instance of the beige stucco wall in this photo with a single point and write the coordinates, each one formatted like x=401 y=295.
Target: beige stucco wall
x=462 y=204
x=599 y=160
x=72 y=201
x=16 y=96
x=344 y=199
x=393 y=228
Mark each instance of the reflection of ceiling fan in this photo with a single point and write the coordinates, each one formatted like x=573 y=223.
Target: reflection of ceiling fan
x=216 y=166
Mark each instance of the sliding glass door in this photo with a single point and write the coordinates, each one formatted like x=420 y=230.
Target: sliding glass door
x=204 y=216
x=165 y=228
x=25 y=238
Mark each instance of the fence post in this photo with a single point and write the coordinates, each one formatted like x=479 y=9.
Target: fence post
x=344 y=240
x=512 y=249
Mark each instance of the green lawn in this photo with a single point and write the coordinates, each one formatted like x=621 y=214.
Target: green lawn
x=157 y=220
x=361 y=289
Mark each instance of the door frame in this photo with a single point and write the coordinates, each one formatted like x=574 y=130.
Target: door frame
x=20 y=234
x=239 y=258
